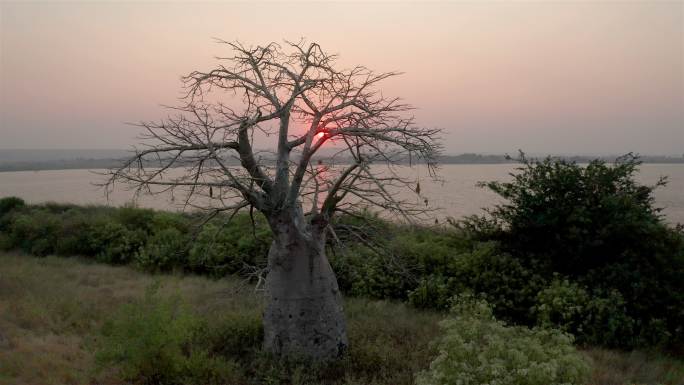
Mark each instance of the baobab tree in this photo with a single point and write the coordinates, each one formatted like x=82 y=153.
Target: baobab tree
x=338 y=143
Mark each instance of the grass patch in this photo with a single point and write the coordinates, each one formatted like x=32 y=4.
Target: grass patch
x=53 y=311
x=636 y=367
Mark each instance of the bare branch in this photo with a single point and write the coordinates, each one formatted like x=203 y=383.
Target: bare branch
x=205 y=148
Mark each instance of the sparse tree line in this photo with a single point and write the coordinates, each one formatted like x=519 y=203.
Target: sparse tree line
x=466 y=158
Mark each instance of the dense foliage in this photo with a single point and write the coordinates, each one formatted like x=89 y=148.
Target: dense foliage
x=576 y=247
x=153 y=240
x=575 y=219
x=477 y=349
x=615 y=269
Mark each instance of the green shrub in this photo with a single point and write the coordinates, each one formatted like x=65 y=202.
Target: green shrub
x=364 y=272
x=596 y=319
x=9 y=208
x=428 y=266
x=162 y=220
x=157 y=241
x=75 y=234
x=116 y=244
x=10 y=203
x=226 y=249
x=478 y=349
x=498 y=277
x=134 y=218
x=35 y=234
x=154 y=341
x=388 y=261
x=435 y=292
x=598 y=227
x=165 y=250
x=576 y=218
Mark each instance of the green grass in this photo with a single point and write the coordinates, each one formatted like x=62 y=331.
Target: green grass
x=52 y=311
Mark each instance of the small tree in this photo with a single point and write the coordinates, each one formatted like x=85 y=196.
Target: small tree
x=205 y=151
x=621 y=266
x=575 y=218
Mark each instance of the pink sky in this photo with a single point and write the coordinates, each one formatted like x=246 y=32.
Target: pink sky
x=546 y=77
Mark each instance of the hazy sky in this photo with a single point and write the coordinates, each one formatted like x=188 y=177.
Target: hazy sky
x=546 y=77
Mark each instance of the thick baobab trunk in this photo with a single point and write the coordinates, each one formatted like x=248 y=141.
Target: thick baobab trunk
x=304 y=315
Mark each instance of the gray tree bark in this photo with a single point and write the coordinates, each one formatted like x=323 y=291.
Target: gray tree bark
x=304 y=315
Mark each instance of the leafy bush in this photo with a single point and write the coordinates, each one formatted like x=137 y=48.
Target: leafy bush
x=155 y=341
x=427 y=266
x=8 y=206
x=478 y=349
x=155 y=240
x=498 y=277
x=596 y=319
x=388 y=261
x=116 y=244
x=226 y=249
x=164 y=250
x=10 y=203
x=435 y=292
x=134 y=218
x=363 y=272
x=162 y=220
x=597 y=227
x=34 y=234
x=575 y=218
x=75 y=234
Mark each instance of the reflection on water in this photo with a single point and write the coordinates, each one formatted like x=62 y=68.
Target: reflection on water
x=455 y=196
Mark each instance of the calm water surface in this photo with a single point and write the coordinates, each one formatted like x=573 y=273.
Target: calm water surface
x=456 y=196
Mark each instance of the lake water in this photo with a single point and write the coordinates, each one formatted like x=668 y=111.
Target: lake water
x=456 y=195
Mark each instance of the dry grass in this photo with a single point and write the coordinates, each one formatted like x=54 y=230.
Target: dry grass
x=618 y=368
x=51 y=310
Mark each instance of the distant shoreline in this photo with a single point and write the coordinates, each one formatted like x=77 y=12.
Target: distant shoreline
x=465 y=159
